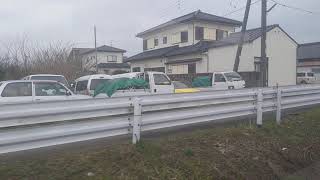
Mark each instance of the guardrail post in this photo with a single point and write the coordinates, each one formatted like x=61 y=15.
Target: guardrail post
x=137 y=110
x=278 y=116
x=259 y=107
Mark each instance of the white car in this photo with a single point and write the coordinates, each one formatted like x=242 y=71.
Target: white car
x=306 y=78
x=35 y=91
x=49 y=77
x=87 y=84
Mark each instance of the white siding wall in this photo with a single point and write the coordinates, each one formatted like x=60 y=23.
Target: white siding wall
x=89 y=59
x=222 y=59
x=150 y=63
x=170 y=31
x=281 y=51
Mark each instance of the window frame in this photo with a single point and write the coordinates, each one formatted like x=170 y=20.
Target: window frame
x=161 y=84
x=6 y=86
x=156 y=42
x=184 y=34
x=219 y=33
x=199 y=33
x=53 y=84
x=215 y=79
x=165 y=40
x=86 y=85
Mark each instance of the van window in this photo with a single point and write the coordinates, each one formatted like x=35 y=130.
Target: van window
x=96 y=82
x=219 y=78
x=146 y=77
x=160 y=79
x=233 y=76
x=17 y=89
x=49 y=89
x=300 y=74
x=310 y=74
x=82 y=85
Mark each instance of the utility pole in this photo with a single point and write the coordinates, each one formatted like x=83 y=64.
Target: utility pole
x=95 y=48
x=264 y=60
x=243 y=31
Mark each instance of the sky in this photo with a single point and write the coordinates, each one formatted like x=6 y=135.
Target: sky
x=118 y=21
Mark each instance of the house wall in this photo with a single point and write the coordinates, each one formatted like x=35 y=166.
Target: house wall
x=281 y=51
x=181 y=68
x=171 y=30
x=89 y=61
x=148 y=63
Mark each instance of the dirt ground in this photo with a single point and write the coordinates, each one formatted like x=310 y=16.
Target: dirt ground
x=236 y=152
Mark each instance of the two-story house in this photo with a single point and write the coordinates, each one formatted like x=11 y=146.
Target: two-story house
x=109 y=59
x=200 y=43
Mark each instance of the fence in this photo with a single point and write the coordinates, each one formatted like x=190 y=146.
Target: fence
x=29 y=126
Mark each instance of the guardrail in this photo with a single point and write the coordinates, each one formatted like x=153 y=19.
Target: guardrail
x=33 y=125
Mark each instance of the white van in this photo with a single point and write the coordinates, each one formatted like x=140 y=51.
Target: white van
x=87 y=84
x=225 y=81
x=306 y=78
x=48 y=77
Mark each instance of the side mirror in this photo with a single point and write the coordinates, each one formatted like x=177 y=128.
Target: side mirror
x=68 y=93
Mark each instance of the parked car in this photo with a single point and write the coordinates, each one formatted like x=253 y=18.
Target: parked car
x=50 y=77
x=180 y=87
x=87 y=84
x=227 y=80
x=35 y=91
x=306 y=78
x=159 y=82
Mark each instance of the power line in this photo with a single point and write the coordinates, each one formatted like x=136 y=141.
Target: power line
x=294 y=8
x=242 y=8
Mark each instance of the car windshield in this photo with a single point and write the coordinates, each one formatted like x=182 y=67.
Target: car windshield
x=233 y=76
x=96 y=82
x=300 y=74
x=60 y=79
x=179 y=85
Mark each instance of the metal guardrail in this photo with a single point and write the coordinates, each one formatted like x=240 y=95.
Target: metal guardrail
x=33 y=125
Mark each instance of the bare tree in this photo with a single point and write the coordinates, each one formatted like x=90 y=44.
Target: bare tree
x=24 y=57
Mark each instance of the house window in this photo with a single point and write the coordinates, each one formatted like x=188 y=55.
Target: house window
x=112 y=58
x=220 y=34
x=192 y=68
x=184 y=36
x=165 y=40
x=176 y=38
x=136 y=69
x=199 y=33
x=145 y=45
x=156 y=42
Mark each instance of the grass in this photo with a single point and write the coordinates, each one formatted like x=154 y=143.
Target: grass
x=242 y=152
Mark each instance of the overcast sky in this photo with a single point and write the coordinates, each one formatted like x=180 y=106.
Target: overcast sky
x=119 y=21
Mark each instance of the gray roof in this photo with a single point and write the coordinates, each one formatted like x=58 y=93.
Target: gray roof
x=194 y=16
x=309 y=51
x=103 y=48
x=233 y=38
x=113 y=65
x=202 y=46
